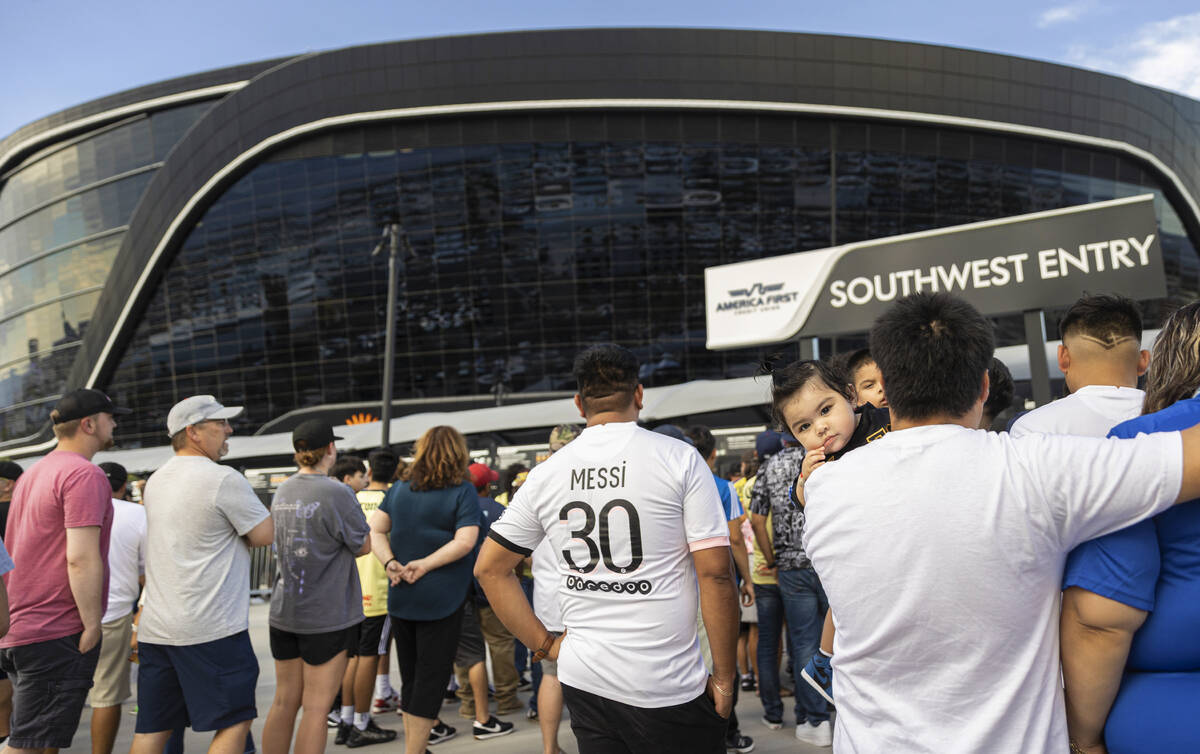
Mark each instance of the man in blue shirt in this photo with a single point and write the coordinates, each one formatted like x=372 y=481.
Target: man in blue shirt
x=702 y=438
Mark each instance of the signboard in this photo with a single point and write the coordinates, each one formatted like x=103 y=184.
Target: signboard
x=1015 y=264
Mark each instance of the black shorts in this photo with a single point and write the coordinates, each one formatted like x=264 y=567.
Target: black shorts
x=470 y=650
x=425 y=656
x=207 y=686
x=314 y=649
x=50 y=682
x=603 y=726
x=372 y=636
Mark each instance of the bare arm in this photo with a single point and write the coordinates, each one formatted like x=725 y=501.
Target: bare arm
x=741 y=559
x=366 y=547
x=494 y=569
x=762 y=538
x=85 y=571
x=719 y=609
x=456 y=549
x=1096 y=633
x=262 y=534
x=381 y=526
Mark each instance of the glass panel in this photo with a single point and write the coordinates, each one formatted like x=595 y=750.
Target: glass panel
x=519 y=254
x=47 y=327
x=72 y=269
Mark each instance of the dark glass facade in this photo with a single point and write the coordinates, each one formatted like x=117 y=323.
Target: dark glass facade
x=63 y=214
x=534 y=235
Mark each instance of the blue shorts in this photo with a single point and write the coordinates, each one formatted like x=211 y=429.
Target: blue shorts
x=207 y=686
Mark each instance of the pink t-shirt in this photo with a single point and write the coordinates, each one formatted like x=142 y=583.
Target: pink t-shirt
x=62 y=491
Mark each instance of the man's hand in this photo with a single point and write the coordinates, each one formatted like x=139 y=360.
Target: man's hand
x=723 y=703
x=552 y=654
x=89 y=639
x=747 y=594
x=812 y=460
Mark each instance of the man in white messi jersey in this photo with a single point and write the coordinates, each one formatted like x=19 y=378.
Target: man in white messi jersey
x=635 y=521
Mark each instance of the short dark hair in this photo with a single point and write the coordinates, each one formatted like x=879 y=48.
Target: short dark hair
x=383 y=464
x=1104 y=316
x=1000 y=394
x=607 y=376
x=855 y=360
x=702 y=437
x=933 y=350
x=792 y=378
x=346 y=466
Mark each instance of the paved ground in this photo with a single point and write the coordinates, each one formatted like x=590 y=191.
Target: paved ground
x=525 y=740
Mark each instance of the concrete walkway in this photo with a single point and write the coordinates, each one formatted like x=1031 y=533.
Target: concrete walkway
x=526 y=739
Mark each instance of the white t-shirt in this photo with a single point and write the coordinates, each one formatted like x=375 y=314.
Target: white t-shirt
x=941 y=550
x=623 y=509
x=126 y=558
x=547 y=579
x=1090 y=411
x=197 y=564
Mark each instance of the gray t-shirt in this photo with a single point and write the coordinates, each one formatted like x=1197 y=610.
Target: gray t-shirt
x=197 y=564
x=319 y=529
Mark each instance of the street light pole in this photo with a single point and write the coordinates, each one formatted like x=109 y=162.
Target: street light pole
x=391 y=231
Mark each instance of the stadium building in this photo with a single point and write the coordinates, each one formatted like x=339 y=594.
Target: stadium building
x=213 y=233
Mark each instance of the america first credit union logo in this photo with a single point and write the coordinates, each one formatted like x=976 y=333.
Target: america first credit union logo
x=759 y=297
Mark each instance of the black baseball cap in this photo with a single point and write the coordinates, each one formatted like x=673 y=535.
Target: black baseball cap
x=10 y=470
x=312 y=434
x=85 y=402
x=116 y=473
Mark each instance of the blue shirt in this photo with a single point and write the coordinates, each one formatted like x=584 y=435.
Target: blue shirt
x=489 y=511
x=1154 y=566
x=730 y=502
x=421 y=523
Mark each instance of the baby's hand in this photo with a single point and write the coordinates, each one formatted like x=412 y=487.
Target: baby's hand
x=812 y=460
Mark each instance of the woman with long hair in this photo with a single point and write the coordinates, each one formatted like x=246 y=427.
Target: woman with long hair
x=1131 y=605
x=423 y=532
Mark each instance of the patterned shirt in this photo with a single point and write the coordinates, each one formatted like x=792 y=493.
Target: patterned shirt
x=770 y=495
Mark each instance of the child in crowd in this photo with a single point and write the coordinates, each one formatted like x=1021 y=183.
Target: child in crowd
x=820 y=406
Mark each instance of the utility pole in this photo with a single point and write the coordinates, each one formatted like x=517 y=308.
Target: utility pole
x=392 y=232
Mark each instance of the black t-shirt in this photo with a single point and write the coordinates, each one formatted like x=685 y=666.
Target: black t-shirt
x=873 y=423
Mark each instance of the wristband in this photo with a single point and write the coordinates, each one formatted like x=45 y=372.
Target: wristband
x=543 y=650
x=385 y=565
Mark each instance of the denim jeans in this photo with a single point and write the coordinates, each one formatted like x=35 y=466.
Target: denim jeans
x=769 y=602
x=804 y=604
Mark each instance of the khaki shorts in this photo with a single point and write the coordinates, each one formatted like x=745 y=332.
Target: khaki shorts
x=110 y=684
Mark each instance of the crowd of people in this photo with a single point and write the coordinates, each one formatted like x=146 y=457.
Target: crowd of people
x=918 y=573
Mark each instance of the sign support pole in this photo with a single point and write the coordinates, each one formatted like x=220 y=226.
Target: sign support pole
x=1039 y=369
x=809 y=349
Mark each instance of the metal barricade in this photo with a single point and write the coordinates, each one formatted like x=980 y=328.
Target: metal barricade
x=262 y=571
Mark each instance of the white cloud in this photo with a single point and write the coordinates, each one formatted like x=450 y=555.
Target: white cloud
x=1165 y=54
x=1062 y=14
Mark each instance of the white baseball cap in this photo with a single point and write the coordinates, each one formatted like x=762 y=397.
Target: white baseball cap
x=197 y=409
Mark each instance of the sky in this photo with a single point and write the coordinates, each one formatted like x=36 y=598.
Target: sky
x=58 y=53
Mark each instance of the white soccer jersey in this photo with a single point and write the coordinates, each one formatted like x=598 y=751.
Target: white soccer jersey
x=623 y=508
x=1090 y=411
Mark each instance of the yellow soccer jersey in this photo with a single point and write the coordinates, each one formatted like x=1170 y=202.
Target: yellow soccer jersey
x=371 y=575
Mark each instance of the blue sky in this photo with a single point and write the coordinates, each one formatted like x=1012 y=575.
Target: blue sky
x=57 y=53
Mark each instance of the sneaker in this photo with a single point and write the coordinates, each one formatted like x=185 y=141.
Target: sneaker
x=739 y=743
x=372 y=735
x=333 y=720
x=382 y=706
x=493 y=728
x=523 y=681
x=441 y=733
x=820 y=734
x=772 y=723
x=748 y=683
x=531 y=714
x=343 y=732
x=819 y=674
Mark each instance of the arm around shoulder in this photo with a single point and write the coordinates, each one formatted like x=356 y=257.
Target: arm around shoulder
x=1189 y=488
